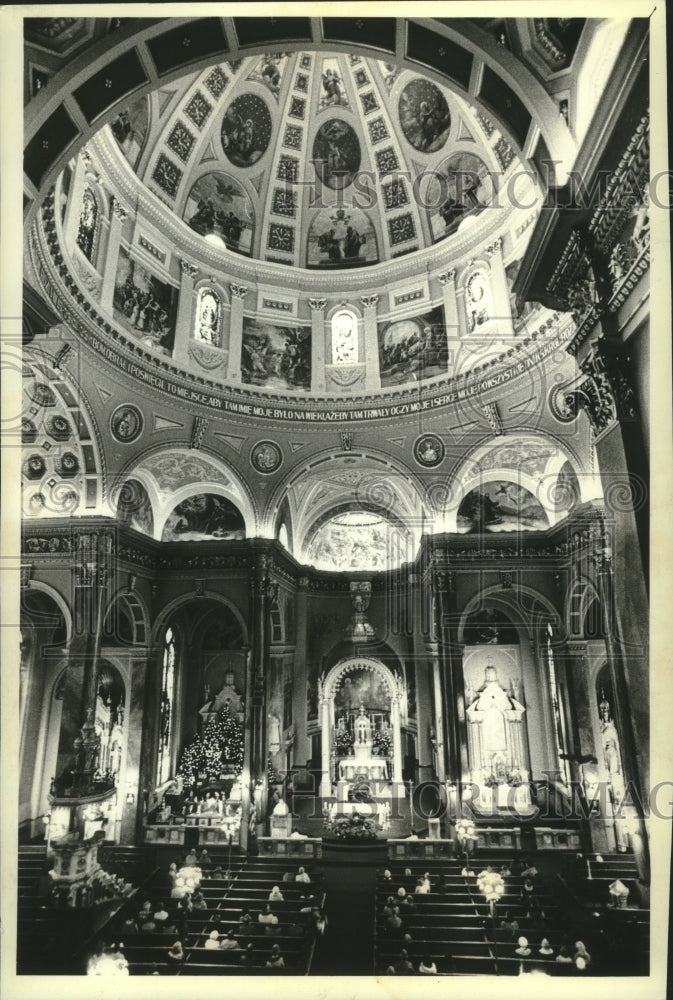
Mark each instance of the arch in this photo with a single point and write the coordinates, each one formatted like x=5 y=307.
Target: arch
x=203 y=516
x=344 y=339
x=61 y=603
x=88 y=228
x=580 y=597
x=350 y=663
x=164 y=617
x=134 y=506
x=496 y=596
x=137 y=612
x=207 y=326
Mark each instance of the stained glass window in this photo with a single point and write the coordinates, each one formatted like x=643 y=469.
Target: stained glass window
x=344 y=338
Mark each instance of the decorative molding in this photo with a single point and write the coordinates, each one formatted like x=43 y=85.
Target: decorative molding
x=188 y=268
x=278 y=304
x=151 y=249
x=199 y=428
x=369 y=301
x=493 y=417
x=405 y=297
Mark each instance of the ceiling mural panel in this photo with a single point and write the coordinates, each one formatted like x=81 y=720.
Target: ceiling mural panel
x=203 y=517
x=424 y=116
x=144 y=305
x=460 y=186
x=277 y=357
x=336 y=154
x=218 y=204
x=500 y=506
x=246 y=130
x=341 y=238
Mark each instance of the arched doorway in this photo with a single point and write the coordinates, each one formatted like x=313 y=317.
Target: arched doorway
x=359 y=705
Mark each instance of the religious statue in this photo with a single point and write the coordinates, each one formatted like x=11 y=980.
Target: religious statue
x=274 y=733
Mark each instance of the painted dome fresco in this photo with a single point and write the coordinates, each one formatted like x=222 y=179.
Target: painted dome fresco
x=316 y=160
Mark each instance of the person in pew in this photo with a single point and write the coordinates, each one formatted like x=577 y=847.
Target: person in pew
x=409 y=903
x=563 y=955
x=145 y=912
x=267 y=917
x=302 y=876
x=161 y=916
x=276 y=894
x=319 y=920
x=205 y=858
x=407 y=872
x=212 y=941
x=149 y=925
x=229 y=942
x=581 y=952
x=198 y=901
x=308 y=906
x=248 y=957
x=522 y=950
x=287 y=877
x=407 y=940
x=390 y=971
x=467 y=871
x=175 y=952
x=388 y=907
x=422 y=887
x=505 y=870
x=528 y=870
x=401 y=892
x=130 y=926
x=403 y=966
x=185 y=904
x=244 y=922
x=191 y=859
x=394 y=922
x=217 y=872
x=387 y=875
x=427 y=967
x=545 y=948
x=275 y=959
x=510 y=923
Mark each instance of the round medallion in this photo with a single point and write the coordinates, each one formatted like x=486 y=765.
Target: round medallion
x=429 y=450
x=246 y=130
x=424 y=116
x=266 y=456
x=126 y=423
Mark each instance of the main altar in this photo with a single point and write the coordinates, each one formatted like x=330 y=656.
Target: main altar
x=363 y=765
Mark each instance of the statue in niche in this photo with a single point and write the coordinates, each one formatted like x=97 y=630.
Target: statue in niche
x=274 y=733
x=613 y=764
x=226 y=697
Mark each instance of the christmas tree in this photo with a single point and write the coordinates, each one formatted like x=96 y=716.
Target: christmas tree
x=219 y=748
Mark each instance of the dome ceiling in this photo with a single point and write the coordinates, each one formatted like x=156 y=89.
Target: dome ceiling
x=324 y=161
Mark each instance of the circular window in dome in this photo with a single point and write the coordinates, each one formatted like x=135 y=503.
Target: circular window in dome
x=246 y=130
x=336 y=154
x=424 y=116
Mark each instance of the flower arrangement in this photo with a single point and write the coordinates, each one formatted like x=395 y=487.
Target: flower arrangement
x=353 y=827
x=343 y=742
x=382 y=743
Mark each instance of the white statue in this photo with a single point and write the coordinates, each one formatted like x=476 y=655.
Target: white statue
x=274 y=733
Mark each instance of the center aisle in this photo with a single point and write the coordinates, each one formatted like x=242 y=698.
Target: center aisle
x=350 y=881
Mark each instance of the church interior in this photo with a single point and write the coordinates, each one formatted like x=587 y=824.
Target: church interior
x=334 y=497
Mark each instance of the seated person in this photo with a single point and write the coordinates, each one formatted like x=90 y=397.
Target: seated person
x=563 y=955
x=248 y=957
x=427 y=967
x=422 y=887
x=175 y=952
x=523 y=950
x=545 y=948
x=403 y=966
x=229 y=942
x=148 y=926
x=244 y=922
x=394 y=921
x=275 y=959
x=199 y=901
x=528 y=870
x=302 y=876
x=581 y=952
x=161 y=916
x=217 y=872
x=466 y=870
x=276 y=894
x=191 y=859
x=510 y=923
x=401 y=892
x=387 y=875
x=205 y=858
x=130 y=926
x=213 y=940
x=267 y=917
x=145 y=912
x=288 y=877
x=407 y=872
x=319 y=920
x=185 y=904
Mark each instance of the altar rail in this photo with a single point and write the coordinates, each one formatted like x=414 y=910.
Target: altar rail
x=557 y=839
x=298 y=847
x=420 y=849
x=208 y=835
x=499 y=838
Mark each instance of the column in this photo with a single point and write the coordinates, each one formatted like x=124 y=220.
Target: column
x=183 y=323
x=447 y=280
x=300 y=673
x=439 y=723
x=117 y=220
x=502 y=309
x=238 y=294
x=397 y=739
x=317 y=344
x=451 y=661
x=371 y=343
x=326 y=737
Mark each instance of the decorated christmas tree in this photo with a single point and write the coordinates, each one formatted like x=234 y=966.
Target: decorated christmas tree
x=217 y=751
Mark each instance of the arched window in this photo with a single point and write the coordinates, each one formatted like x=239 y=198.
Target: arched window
x=478 y=299
x=208 y=317
x=276 y=623
x=87 y=223
x=345 y=338
x=166 y=717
